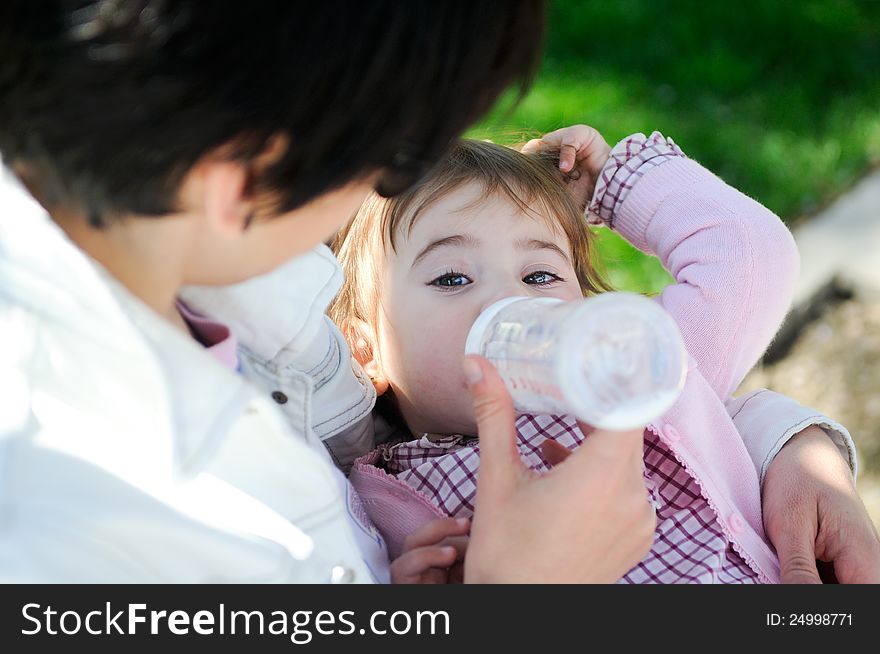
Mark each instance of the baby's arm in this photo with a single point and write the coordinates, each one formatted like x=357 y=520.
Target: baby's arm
x=734 y=262
x=806 y=516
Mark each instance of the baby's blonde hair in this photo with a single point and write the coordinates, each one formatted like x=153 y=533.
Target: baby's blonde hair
x=524 y=179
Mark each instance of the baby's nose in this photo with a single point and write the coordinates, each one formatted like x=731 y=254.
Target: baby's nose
x=500 y=296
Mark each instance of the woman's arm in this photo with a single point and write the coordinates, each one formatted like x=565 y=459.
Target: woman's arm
x=767 y=421
x=812 y=512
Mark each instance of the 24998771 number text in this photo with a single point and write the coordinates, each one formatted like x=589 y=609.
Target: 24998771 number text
x=809 y=620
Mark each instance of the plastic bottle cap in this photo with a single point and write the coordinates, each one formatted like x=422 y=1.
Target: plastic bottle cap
x=475 y=335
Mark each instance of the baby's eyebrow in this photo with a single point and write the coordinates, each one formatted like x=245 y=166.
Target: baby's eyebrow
x=456 y=239
x=536 y=244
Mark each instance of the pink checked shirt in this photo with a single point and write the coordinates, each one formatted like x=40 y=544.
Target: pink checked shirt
x=735 y=265
x=215 y=336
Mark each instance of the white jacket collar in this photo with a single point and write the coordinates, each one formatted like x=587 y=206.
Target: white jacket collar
x=268 y=313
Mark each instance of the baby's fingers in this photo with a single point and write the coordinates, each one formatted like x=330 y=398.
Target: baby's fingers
x=567 y=140
x=568 y=157
x=435 y=531
x=534 y=146
x=416 y=566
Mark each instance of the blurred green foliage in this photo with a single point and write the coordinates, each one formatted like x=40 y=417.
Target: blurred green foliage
x=779 y=98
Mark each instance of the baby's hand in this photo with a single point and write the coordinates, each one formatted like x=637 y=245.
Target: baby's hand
x=433 y=553
x=582 y=154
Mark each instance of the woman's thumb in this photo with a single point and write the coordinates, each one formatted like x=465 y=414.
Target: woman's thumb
x=493 y=409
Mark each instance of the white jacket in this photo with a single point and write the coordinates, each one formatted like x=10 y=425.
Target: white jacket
x=128 y=454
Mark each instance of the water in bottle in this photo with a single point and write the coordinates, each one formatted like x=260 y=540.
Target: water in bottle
x=616 y=360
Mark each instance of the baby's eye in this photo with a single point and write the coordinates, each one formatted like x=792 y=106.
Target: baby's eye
x=450 y=280
x=542 y=278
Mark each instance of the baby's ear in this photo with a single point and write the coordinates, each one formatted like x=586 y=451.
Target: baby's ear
x=362 y=340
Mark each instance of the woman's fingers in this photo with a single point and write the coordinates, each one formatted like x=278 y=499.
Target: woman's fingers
x=523 y=526
x=500 y=466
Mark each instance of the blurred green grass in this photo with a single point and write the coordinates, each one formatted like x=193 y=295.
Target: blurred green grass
x=780 y=99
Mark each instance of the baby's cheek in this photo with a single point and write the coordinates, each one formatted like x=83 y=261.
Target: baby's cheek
x=436 y=377
x=440 y=369
x=439 y=346
x=441 y=385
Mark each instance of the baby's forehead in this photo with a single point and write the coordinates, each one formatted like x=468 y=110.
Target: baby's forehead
x=470 y=203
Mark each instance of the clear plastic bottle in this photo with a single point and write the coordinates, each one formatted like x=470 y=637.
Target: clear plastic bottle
x=615 y=360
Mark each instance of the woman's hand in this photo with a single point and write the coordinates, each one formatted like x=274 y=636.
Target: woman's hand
x=812 y=512
x=582 y=155
x=433 y=553
x=588 y=520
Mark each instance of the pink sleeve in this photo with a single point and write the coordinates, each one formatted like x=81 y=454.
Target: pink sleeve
x=734 y=262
